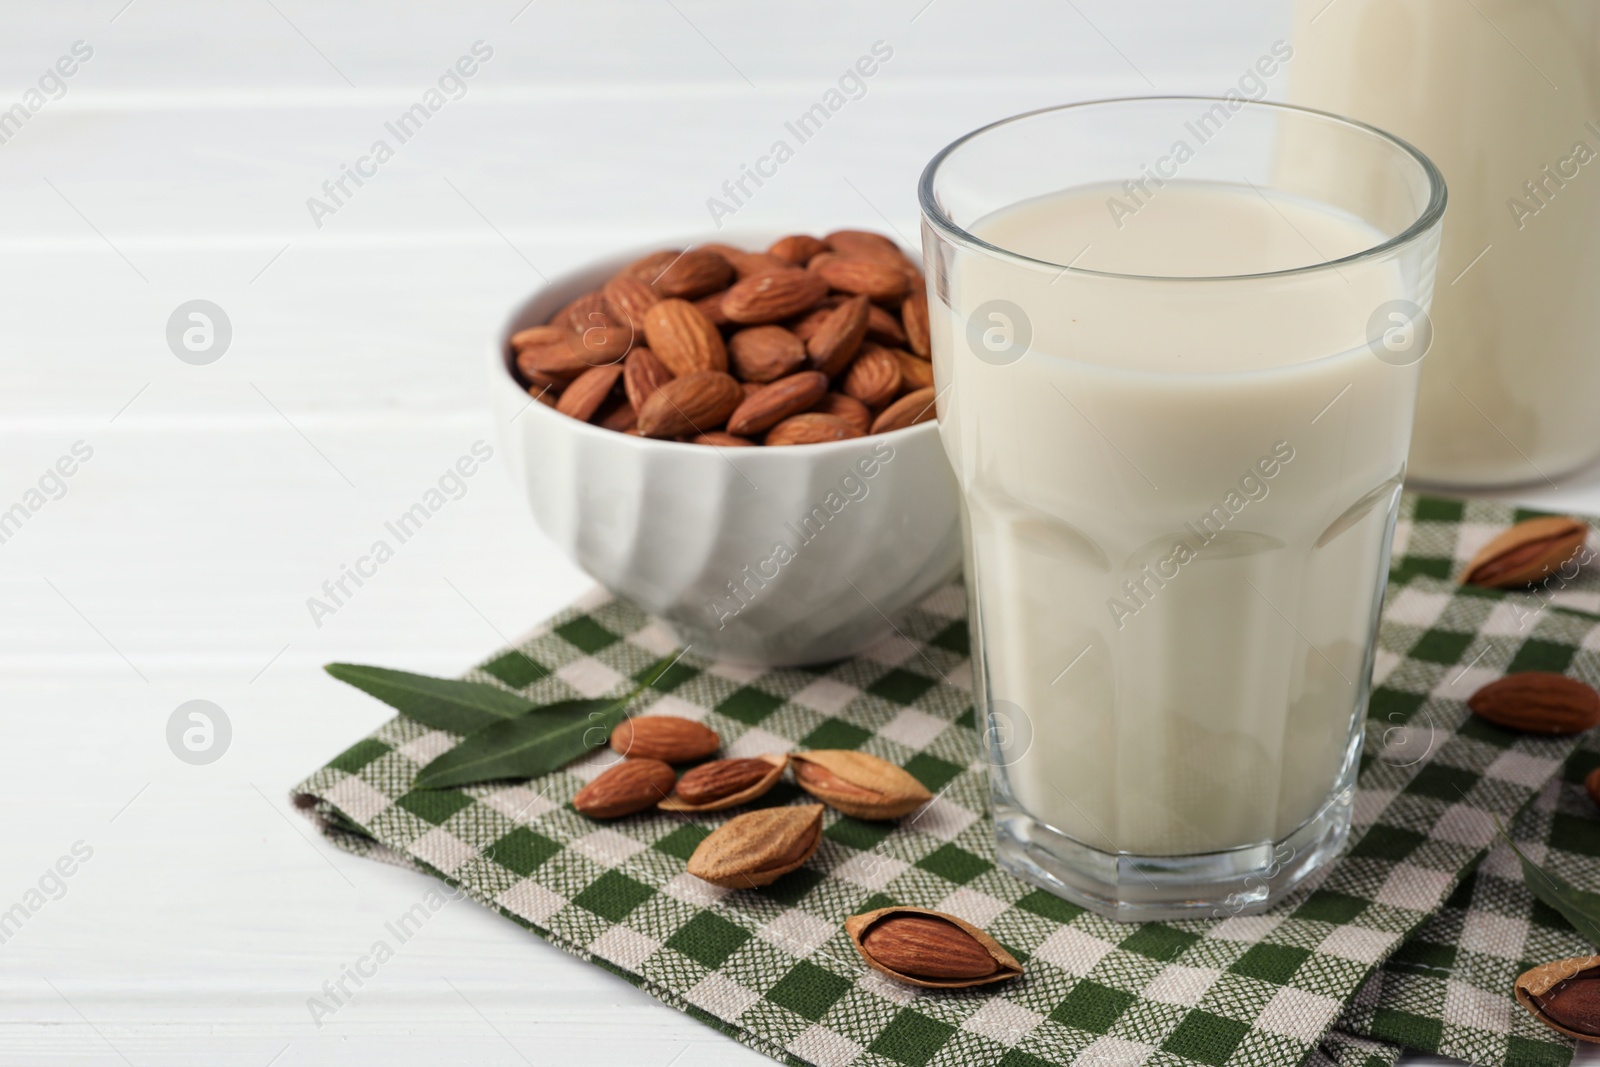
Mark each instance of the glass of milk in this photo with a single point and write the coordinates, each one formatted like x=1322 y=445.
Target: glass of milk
x=1176 y=343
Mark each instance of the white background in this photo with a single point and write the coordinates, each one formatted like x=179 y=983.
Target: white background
x=219 y=498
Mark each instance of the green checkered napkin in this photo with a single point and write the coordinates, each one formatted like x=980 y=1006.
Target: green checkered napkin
x=773 y=968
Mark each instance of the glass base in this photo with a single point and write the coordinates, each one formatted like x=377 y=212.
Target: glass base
x=1213 y=885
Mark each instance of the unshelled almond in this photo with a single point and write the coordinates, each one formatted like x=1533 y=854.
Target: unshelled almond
x=1527 y=552
x=874 y=278
x=664 y=737
x=862 y=243
x=758 y=847
x=858 y=783
x=765 y=353
x=916 y=406
x=642 y=375
x=588 y=391
x=773 y=297
x=810 y=428
x=625 y=788
x=1564 y=995
x=929 y=948
x=771 y=404
x=693 y=404
x=627 y=298
x=914 y=373
x=1538 y=702
x=599 y=345
x=914 y=314
x=838 y=336
x=847 y=408
x=683 y=339
x=694 y=274
x=796 y=248
x=873 y=377
x=725 y=783
x=557 y=360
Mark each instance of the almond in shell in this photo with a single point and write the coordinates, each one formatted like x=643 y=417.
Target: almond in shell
x=625 y=788
x=693 y=404
x=758 y=847
x=725 y=783
x=1538 y=702
x=771 y=404
x=929 y=948
x=1564 y=995
x=664 y=737
x=683 y=339
x=858 y=783
x=1527 y=552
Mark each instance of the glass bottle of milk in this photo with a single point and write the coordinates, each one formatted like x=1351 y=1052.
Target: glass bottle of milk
x=1504 y=95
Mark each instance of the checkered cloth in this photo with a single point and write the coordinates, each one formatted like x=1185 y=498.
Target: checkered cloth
x=773 y=968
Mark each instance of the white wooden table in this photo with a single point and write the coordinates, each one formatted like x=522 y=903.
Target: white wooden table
x=176 y=165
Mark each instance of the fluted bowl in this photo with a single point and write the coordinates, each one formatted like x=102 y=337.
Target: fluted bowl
x=779 y=556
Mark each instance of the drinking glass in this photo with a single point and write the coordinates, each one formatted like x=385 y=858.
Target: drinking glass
x=1179 y=484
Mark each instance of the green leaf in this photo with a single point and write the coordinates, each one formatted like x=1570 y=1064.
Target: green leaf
x=1579 y=907
x=532 y=745
x=442 y=703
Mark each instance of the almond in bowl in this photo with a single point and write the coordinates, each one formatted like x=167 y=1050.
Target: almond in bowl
x=738 y=437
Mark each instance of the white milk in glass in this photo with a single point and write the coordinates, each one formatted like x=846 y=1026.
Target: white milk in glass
x=1179 y=505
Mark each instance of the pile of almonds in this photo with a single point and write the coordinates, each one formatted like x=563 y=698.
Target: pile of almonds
x=914 y=945
x=812 y=340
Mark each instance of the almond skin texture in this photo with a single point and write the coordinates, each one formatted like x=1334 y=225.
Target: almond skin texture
x=1564 y=995
x=765 y=353
x=874 y=278
x=625 y=788
x=847 y=408
x=858 y=784
x=914 y=373
x=873 y=377
x=556 y=360
x=929 y=949
x=642 y=375
x=649 y=268
x=664 y=737
x=588 y=391
x=914 y=315
x=1527 y=552
x=838 y=336
x=628 y=298
x=758 y=847
x=884 y=328
x=752 y=264
x=863 y=243
x=810 y=428
x=694 y=274
x=537 y=335
x=1538 y=702
x=796 y=248
x=916 y=406
x=683 y=339
x=772 y=404
x=600 y=345
x=694 y=404
x=725 y=783
x=583 y=312
x=773 y=297
x=720 y=439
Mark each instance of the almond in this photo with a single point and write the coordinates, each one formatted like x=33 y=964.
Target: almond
x=1538 y=702
x=838 y=336
x=1564 y=995
x=758 y=847
x=588 y=391
x=1527 y=552
x=642 y=375
x=858 y=784
x=914 y=315
x=914 y=373
x=765 y=353
x=695 y=403
x=600 y=345
x=683 y=339
x=557 y=361
x=725 y=783
x=711 y=307
x=916 y=406
x=625 y=788
x=617 y=414
x=627 y=299
x=796 y=248
x=862 y=243
x=649 y=268
x=773 y=297
x=664 y=737
x=884 y=328
x=772 y=404
x=753 y=264
x=805 y=327
x=810 y=428
x=583 y=312
x=720 y=439
x=873 y=377
x=929 y=948
x=537 y=335
x=695 y=273
x=847 y=408
x=874 y=278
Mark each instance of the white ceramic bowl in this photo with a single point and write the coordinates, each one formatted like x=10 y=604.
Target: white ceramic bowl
x=780 y=556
